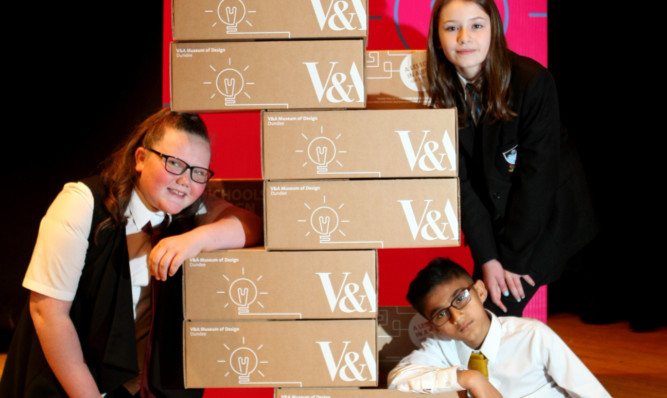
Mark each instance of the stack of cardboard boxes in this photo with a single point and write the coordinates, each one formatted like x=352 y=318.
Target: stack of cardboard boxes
x=311 y=54
x=260 y=318
x=339 y=183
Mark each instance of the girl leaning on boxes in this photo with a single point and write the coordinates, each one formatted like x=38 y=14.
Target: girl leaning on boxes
x=93 y=310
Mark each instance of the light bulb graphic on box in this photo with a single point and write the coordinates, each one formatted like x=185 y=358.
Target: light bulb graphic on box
x=324 y=221
x=229 y=82
x=243 y=362
x=247 y=364
x=243 y=292
x=322 y=151
x=231 y=13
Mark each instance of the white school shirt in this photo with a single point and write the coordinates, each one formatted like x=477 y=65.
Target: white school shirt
x=60 y=251
x=525 y=359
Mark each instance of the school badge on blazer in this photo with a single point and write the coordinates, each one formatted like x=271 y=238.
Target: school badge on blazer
x=510 y=158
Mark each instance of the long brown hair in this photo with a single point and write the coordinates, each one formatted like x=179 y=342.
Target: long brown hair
x=119 y=175
x=444 y=87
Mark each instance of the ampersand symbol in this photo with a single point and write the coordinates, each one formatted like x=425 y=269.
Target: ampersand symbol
x=339 y=11
x=350 y=290
x=337 y=81
x=431 y=219
x=350 y=364
x=429 y=149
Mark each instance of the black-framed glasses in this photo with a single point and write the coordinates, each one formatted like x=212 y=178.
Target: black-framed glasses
x=443 y=314
x=178 y=166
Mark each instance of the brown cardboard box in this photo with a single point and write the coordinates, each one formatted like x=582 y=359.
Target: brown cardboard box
x=246 y=194
x=394 y=79
x=258 y=284
x=325 y=353
x=353 y=393
x=274 y=19
x=400 y=331
x=361 y=214
x=359 y=144
x=227 y=76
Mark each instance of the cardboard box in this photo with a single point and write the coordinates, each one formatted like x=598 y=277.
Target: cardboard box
x=225 y=76
x=274 y=19
x=323 y=353
x=353 y=393
x=400 y=331
x=359 y=144
x=258 y=284
x=246 y=194
x=395 y=79
x=361 y=214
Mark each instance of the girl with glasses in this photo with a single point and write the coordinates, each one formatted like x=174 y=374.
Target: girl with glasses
x=105 y=311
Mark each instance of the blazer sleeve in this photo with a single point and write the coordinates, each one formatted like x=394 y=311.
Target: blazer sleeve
x=535 y=178
x=475 y=219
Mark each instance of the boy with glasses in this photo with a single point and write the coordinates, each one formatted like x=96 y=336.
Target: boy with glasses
x=474 y=350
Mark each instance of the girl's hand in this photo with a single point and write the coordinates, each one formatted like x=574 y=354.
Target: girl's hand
x=223 y=227
x=500 y=281
x=514 y=283
x=494 y=279
x=170 y=253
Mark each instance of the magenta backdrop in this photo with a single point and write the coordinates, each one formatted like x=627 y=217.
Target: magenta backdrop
x=393 y=25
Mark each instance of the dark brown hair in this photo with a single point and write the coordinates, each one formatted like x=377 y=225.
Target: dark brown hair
x=119 y=175
x=438 y=271
x=444 y=87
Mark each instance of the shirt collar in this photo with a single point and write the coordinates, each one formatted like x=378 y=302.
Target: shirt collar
x=489 y=347
x=491 y=343
x=140 y=215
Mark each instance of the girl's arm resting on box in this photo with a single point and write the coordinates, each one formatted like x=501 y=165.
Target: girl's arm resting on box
x=61 y=346
x=224 y=226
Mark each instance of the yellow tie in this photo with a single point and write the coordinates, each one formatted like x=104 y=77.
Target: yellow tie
x=479 y=362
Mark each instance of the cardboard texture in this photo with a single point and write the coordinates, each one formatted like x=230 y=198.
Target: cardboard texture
x=227 y=76
x=394 y=79
x=400 y=331
x=361 y=214
x=324 y=353
x=353 y=393
x=258 y=284
x=274 y=19
x=246 y=194
x=359 y=144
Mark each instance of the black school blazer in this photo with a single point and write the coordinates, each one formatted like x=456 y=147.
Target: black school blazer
x=532 y=211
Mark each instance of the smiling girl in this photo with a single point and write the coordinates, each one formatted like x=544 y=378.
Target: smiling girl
x=93 y=308
x=524 y=201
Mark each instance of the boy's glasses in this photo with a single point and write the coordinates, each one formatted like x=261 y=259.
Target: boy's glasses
x=461 y=300
x=177 y=166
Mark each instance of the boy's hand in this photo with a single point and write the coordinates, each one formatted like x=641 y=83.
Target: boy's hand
x=478 y=385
